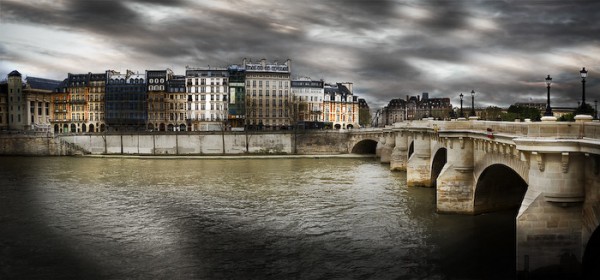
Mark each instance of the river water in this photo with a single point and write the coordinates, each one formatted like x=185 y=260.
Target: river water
x=312 y=218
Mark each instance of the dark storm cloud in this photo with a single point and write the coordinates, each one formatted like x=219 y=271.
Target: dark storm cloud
x=384 y=47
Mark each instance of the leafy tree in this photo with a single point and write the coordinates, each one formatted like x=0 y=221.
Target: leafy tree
x=570 y=117
x=524 y=112
x=364 y=117
x=586 y=109
x=492 y=113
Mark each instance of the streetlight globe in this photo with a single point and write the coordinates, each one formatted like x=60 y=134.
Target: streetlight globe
x=583 y=73
x=472 y=92
x=548 y=80
x=461 y=96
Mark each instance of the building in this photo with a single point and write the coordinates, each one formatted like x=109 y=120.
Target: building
x=4 y=105
x=176 y=104
x=415 y=108
x=26 y=105
x=268 y=96
x=207 y=94
x=158 y=81
x=126 y=101
x=340 y=106
x=394 y=112
x=236 y=115
x=310 y=95
x=79 y=104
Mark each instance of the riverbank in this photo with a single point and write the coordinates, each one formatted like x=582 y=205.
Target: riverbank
x=241 y=156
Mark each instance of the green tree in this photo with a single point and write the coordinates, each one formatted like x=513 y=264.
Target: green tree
x=364 y=117
x=524 y=112
x=570 y=117
x=586 y=109
x=492 y=113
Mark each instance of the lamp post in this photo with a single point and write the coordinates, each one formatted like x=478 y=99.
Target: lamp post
x=472 y=103
x=595 y=109
x=548 y=107
x=461 y=111
x=583 y=74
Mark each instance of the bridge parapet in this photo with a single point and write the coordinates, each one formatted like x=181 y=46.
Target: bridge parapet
x=523 y=129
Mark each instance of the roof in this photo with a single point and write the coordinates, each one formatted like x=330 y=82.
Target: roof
x=14 y=73
x=44 y=84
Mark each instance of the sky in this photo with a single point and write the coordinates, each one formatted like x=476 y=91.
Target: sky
x=501 y=49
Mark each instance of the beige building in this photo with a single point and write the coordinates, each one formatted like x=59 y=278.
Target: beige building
x=268 y=94
x=340 y=106
x=26 y=105
x=157 y=94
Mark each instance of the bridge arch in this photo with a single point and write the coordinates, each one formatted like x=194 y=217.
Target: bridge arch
x=411 y=148
x=365 y=146
x=492 y=194
x=437 y=164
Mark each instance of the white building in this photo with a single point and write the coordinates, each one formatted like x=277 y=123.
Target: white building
x=207 y=98
x=310 y=95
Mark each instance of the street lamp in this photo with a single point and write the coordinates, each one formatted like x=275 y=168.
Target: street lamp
x=472 y=103
x=583 y=74
x=548 y=107
x=461 y=100
x=595 y=109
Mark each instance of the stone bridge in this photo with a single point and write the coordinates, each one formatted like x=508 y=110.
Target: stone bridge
x=548 y=170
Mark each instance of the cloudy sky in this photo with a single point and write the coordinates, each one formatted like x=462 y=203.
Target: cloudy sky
x=503 y=49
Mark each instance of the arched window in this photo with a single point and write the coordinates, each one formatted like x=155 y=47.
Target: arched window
x=142 y=81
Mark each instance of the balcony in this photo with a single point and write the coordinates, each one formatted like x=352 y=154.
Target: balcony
x=78 y=101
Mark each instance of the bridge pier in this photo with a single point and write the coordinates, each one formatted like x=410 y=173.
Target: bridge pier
x=549 y=224
x=456 y=184
x=399 y=158
x=387 y=147
x=418 y=170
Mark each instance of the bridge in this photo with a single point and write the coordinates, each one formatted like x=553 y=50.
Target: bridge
x=548 y=170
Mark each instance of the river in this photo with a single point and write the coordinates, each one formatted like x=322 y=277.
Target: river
x=311 y=218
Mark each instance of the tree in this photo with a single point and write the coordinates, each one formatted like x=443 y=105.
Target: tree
x=570 y=117
x=293 y=111
x=524 y=112
x=364 y=117
x=585 y=109
x=492 y=113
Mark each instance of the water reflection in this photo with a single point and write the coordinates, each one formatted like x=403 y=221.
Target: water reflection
x=240 y=219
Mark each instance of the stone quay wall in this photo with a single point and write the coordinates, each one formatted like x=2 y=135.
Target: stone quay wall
x=182 y=143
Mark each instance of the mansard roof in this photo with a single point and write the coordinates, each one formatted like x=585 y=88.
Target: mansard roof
x=44 y=84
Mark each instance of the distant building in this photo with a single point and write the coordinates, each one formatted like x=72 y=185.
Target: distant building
x=236 y=115
x=394 y=112
x=3 y=106
x=340 y=106
x=126 y=101
x=158 y=81
x=79 y=104
x=537 y=105
x=268 y=94
x=26 y=105
x=176 y=104
x=207 y=98
x=415 y=108
x=310 y=95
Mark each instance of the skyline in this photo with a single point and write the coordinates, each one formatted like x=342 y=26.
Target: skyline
x=389 y=49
